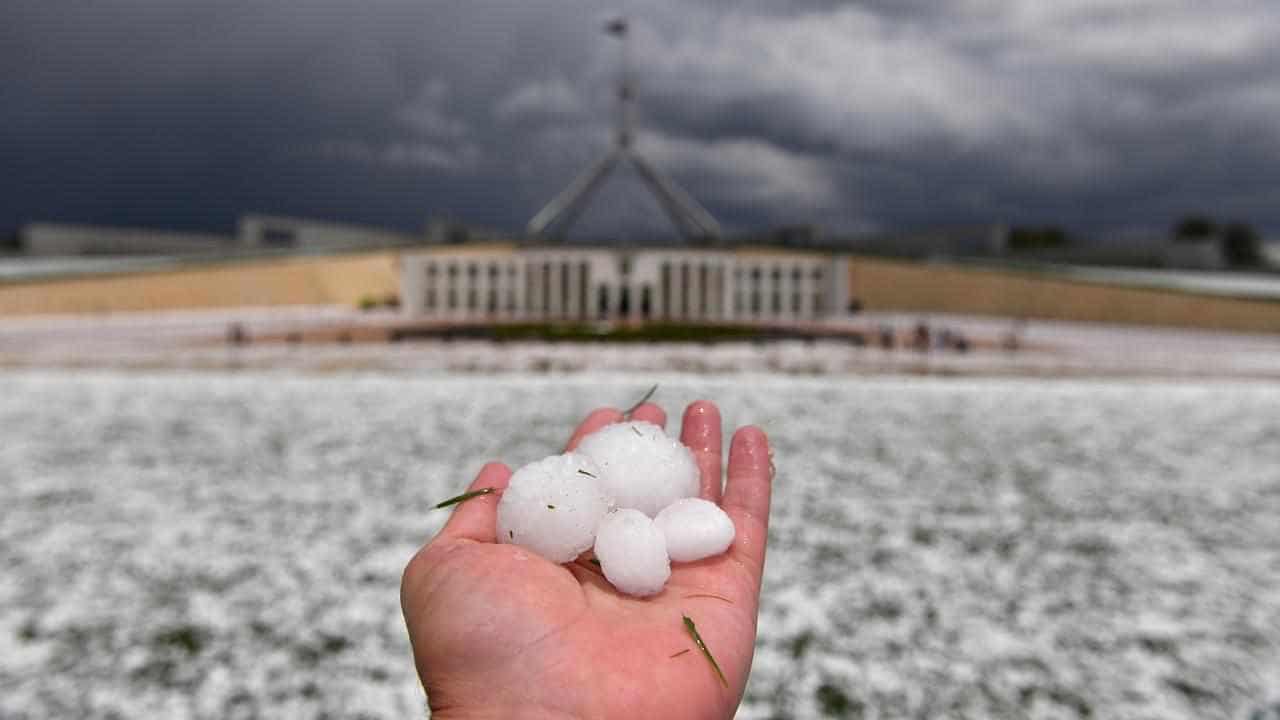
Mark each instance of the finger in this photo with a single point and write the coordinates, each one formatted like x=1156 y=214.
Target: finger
x=596 y=420
x=700 y=432
x=746 y=496
x=477 y=518
x=648 y=412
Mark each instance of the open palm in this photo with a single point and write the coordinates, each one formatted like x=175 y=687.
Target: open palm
x=498 y=631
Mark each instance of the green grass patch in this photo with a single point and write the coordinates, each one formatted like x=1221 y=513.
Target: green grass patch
x=651 y=332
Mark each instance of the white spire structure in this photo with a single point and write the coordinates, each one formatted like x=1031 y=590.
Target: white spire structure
x=691 y=219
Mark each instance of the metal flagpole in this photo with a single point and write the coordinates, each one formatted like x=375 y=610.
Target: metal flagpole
x=692 y=220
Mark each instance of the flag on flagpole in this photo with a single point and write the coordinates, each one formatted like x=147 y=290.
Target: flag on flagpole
x=617 y=26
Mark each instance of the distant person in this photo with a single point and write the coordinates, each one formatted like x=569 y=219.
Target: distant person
x=498 y=633
x=1012 y=341
x=886 y=337
x=922 y=338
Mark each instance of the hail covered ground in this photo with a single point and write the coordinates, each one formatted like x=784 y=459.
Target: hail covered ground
x=230 y=545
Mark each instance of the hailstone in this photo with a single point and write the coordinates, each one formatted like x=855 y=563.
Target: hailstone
x=552 y=506
x=632 y=553
x=694 y=529
x=641 y=467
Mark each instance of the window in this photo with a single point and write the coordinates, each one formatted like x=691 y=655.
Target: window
x=717 y=295
x=277 y=237
x=493 y=288
x=602 y=302
x=664 y=288
x=429 y=296
x=819 y=294
x=755 y=290
x=565 y=295
x=684 y=290
x=530 y=288
x=624 y=301
x=797 y=278
x=544 y=301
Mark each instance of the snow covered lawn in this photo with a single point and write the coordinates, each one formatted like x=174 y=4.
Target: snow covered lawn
x=230 y=545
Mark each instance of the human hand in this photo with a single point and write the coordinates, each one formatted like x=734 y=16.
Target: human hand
x=499 y=632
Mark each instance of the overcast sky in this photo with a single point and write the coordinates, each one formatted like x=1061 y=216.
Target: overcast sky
x=1099 y=115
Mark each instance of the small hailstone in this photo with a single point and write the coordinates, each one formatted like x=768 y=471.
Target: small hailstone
x=632 y=553
x=553 y=506
x=641 y=467
x=694 y=529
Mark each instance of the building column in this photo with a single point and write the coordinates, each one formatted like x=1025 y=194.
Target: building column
x=727 y=289
x=511 y=285
x=500 y=285
x=413 y=279
x=556 y=304
x=713 y=290
x=806 y=291
x=500 y=289
x=482 y=288
x=784 y=293
x=841 y=293
x=574 y=304
x=766 y=284
x=530 y=272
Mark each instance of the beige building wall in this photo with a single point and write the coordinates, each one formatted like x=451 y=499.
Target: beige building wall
x=914 y=287
x=336 y=279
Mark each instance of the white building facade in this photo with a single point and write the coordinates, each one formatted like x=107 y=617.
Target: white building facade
x=537 y=284
x=62 y=240
x=286 y=233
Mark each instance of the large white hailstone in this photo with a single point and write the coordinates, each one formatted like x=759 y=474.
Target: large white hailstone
x=552 y=507
x=641 y=467
x=632 y=553
x=694 y=529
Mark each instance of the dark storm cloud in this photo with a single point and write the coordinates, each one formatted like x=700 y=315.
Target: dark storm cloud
x=1092 y=113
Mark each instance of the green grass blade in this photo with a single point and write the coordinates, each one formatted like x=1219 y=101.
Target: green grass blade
x=464 y=497
x=643 y=400
x=697 y=639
